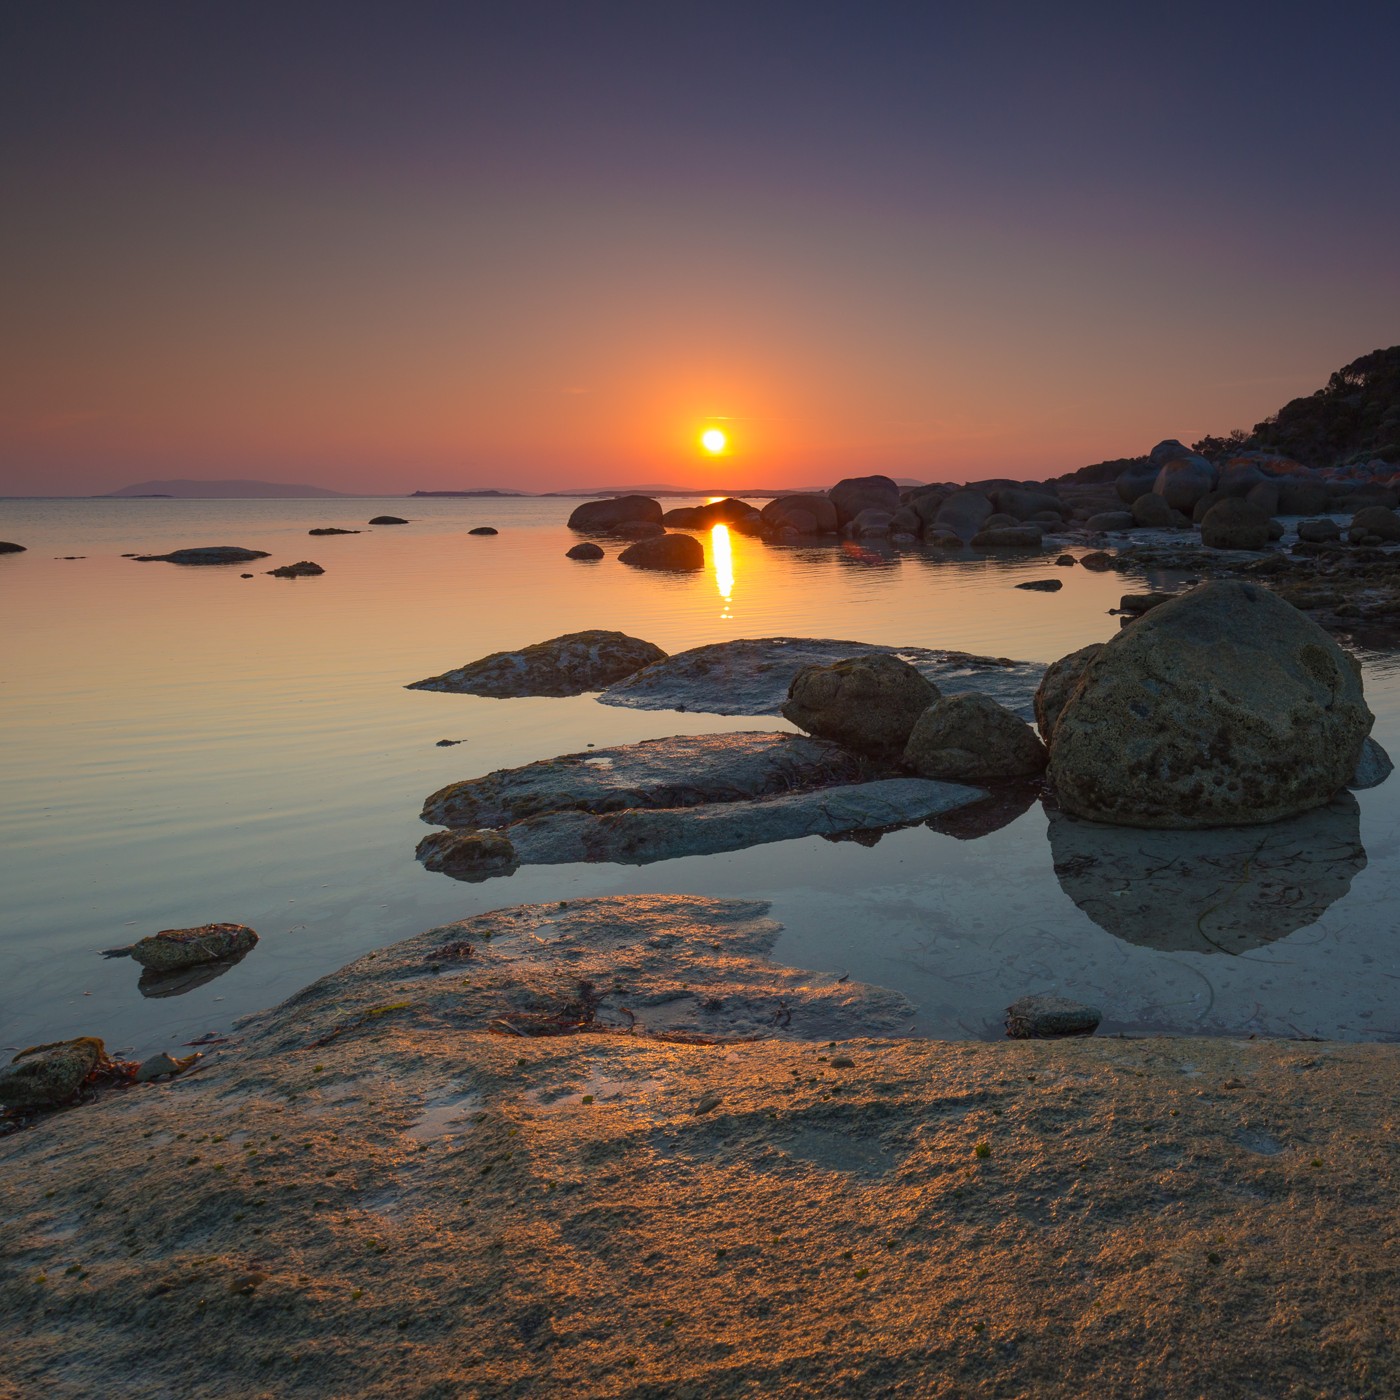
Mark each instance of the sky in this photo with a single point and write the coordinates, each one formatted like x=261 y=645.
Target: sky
x=542 y=245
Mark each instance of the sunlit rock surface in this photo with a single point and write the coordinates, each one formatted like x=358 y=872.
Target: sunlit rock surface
x=567 y=665
x=1226 y=890
x=751 y=676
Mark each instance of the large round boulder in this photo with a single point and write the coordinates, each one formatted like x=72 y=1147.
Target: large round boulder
x=860 y=493
x=1110 y=520
x=964 y=513
x=1135 y=481
x=868 y=704
x=1152 y=512
x=1225 y=707
x=678 y=553
x=615 y=510
x=969 y=738
x=1235 y=524
x=868 y=524
x=1184 y=480
x=808 y=515
x=1022 y=503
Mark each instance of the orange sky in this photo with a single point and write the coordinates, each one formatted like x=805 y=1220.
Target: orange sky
x=371 y=270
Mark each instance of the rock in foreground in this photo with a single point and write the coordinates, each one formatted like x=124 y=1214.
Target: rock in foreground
x=532 y=1154
x=865 y=703
x=173 y=949
x=1049 y=1017
x=567 y=665
x=1224 y=707
x=45 y=1076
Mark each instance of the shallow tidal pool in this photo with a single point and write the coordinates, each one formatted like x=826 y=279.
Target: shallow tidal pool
x=184 y=745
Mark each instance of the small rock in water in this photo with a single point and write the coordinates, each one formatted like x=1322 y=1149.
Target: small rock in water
x=158 y=1066
x=1143 y=602
x=472 y=856
x=1098 y=560
x=1066 y=561
x=388 y=520
x=866 y=703
x=245 y=575
x=1042 y=585
x=175 y=948
x=587 y=550
x=1047 y=1017
x=449 y=743
x=331 y=530
x=205 y=554
x=44 y=1076
x=8 y=547
x=567 y=665
x=304 y=569
x=484 y=530
x=676 y=553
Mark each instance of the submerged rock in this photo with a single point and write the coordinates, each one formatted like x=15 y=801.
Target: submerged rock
x=677 y=553
x=388 y=520
x=1042 y=585
x=684 y=771
x=172 y=949
x=586 y=550
x=1049 y=1017
x=641 y=835
x=567 y=665
x=1226 y=706
x=205 y=554
x=970 y=738
x=484 y=530
x=1226 y=890
x=865 y=703
x=615 y=510
x=45 y=1076
x=305 y=569
x=752 y=676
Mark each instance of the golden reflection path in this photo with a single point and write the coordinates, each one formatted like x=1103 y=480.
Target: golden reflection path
x=722 y=552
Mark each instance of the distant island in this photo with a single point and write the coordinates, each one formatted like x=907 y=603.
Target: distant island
x=188 y=489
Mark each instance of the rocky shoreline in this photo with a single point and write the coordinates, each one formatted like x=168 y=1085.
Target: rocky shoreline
x=539 y=1153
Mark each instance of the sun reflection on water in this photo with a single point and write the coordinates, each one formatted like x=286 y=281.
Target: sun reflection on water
x=721 y=551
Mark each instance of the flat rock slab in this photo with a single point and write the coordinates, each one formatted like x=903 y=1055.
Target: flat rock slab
x=567 y=665
x=751 y=676
x=684 y=771
x=639 y=836
x=405 y=1185
x=1222 y=890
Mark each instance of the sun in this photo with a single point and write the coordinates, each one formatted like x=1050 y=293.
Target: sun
x=713 y=441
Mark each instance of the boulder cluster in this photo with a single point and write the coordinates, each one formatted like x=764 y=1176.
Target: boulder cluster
x=881 y=707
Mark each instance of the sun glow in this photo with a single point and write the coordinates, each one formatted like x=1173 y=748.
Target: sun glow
x=722 y=552
x=713 y=440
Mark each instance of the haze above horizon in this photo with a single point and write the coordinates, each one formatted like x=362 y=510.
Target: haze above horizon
x=525 y=247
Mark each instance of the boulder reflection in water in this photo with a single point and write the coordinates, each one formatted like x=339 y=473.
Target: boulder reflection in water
x=1224 y=890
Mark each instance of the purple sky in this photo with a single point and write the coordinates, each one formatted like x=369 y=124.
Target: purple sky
x=542 y=245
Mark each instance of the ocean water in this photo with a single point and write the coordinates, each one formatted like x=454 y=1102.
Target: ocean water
x=183 y=745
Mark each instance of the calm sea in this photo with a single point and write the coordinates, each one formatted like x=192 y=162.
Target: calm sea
x=183 y=745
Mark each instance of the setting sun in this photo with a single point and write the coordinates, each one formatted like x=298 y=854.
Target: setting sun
x=712 y=440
